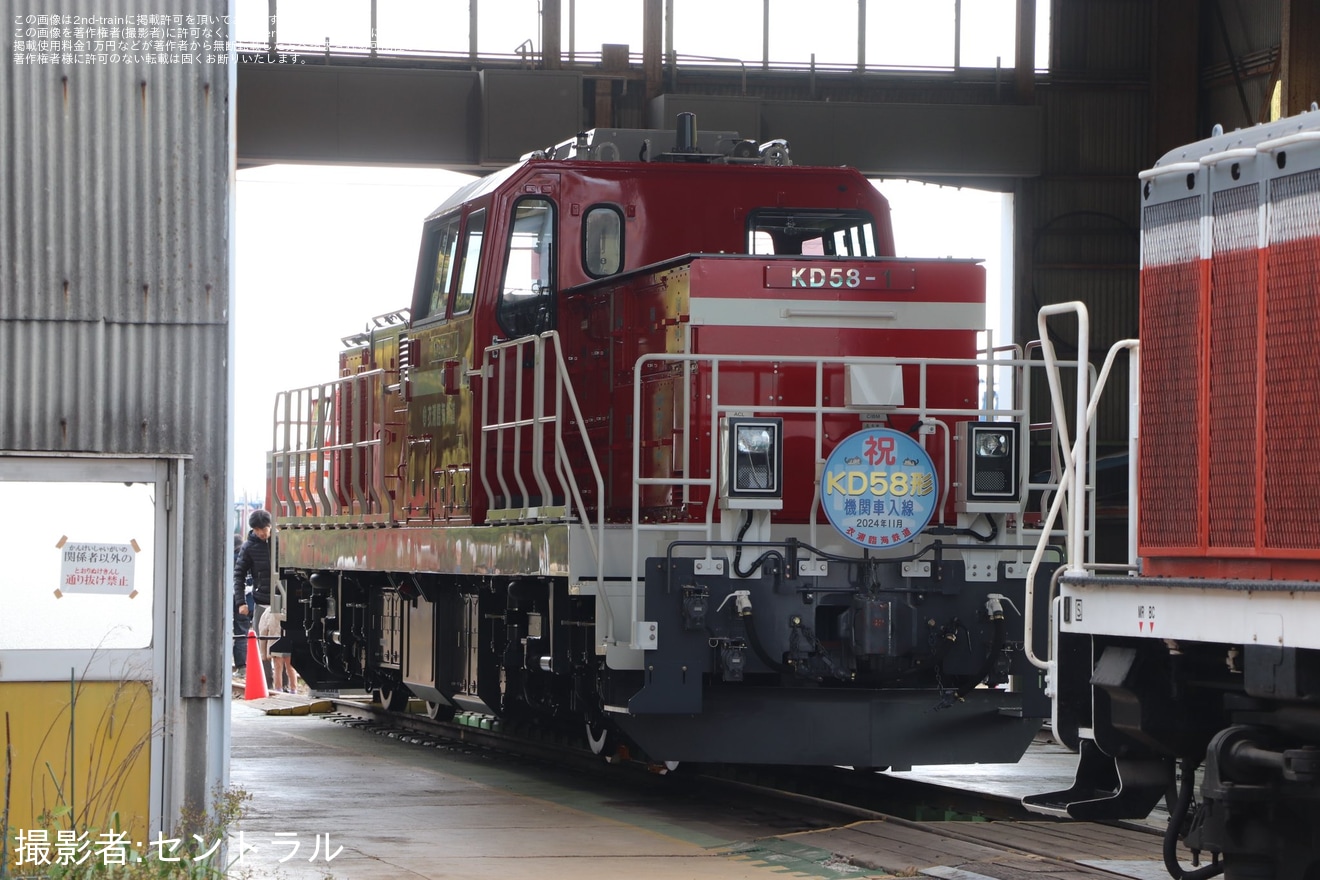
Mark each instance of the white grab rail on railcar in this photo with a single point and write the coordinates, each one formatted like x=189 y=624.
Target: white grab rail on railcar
x=1073 y=481
x=495 y=370
x=319 y=475
x=720 y=408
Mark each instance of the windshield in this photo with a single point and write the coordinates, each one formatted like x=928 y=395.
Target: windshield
x=811 y=232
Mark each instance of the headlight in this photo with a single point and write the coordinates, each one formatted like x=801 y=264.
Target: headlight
x=988 y=479
x=991 y=444
x=753 y=439
x=753 y=462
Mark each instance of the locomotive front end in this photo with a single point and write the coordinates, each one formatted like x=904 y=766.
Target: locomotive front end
x=840 y=519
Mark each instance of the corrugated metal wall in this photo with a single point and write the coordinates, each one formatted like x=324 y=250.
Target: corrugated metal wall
x=1077 y=223
x=114 y=279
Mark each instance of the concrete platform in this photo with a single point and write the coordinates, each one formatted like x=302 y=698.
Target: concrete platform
x=402 y=811
x=386 y=808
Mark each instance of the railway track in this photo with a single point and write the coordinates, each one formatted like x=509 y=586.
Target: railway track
x=873 y=821
x=836 y=792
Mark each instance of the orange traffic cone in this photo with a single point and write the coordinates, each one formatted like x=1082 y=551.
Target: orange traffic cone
x=254 y=686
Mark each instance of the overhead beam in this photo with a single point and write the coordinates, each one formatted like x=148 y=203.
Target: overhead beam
x=900 y=140
x=479 y=121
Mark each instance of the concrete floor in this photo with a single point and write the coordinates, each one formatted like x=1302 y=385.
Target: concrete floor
x=399 y=810
x=1046 y=767
x=402 y=811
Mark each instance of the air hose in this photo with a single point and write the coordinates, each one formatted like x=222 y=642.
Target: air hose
x=1176 y=819
x=742 y=605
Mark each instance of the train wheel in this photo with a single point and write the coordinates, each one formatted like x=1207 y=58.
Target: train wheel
x=439 y=711
x=394 y=699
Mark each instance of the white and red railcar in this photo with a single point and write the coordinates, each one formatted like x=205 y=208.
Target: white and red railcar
x=1205 y=656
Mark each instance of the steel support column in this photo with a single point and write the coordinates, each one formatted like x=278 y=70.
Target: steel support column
x=1300 y=63
x=1174 y=75
x=551 y=28
x=653 y=26
x=1025 y=52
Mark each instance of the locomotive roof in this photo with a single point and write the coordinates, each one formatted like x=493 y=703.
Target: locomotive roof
x=488 y=184
x=601 y=148
x=1243 y=138
x=475 y=189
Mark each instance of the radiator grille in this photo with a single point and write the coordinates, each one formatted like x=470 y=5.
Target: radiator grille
x=1170 y=359
x=1232 y=374
x=1292 y=364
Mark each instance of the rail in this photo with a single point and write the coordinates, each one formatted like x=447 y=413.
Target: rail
x=502 y=363
x=1072 y=483
x=319 y=473
x=931 y=418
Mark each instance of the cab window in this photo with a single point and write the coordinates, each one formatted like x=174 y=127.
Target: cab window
x=527 y=292
x=602 y=241
x=436 y=271
x=811 y=233
x=467 y=273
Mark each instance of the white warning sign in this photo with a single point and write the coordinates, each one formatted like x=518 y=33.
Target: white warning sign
x=104 y=569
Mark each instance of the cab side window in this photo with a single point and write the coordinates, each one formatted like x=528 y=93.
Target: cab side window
x=467 y=273
x=435 y=269
x=602 y=241
x=527 y=292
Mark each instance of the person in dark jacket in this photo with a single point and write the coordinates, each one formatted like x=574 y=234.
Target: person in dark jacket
x=254 y=559
x=242 y=623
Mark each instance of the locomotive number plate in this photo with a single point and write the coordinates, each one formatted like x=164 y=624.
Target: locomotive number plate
x=839 y=277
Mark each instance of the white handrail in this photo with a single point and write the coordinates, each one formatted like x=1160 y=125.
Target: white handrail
x=314 y=436
x=1175 y=168
x=1288 y=140
x=718 y=408
x=564 y=387
x=1070 y=469
x=1073 y=481
x=540 y=420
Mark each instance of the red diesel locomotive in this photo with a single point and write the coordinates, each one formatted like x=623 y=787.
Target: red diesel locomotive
x=671 y=447
x=1198 y=666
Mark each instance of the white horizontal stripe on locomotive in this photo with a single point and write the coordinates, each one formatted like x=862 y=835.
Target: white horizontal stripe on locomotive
x=776 y=312
x=1280 y=618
